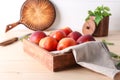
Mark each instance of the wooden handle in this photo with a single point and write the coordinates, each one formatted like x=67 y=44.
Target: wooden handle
x=8 y=42
x=10 y=26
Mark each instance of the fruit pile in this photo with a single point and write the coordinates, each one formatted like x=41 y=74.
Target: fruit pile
x=59 y=39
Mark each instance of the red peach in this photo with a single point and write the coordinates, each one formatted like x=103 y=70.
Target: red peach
x=67 y=30
x=85 y=38
x=48 y=43
x=58 y=34
x=75 y=35
x=36 y=36
x=65 y=42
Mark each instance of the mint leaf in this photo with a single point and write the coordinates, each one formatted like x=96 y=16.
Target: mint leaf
x=115 y=56
x=87 y=18
x=107 y=43
x=100 y=12
x=98 y=18
x=25 y=37
x=106 y=8
x=118 y=66
x=105 y=14
x=90 y=13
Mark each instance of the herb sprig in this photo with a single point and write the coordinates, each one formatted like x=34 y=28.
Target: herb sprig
x=113 y=55
x=107 y=43
x=99 y=13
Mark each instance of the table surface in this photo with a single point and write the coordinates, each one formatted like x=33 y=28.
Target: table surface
x=15 y=64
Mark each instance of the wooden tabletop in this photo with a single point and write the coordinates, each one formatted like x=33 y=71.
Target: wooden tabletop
x=15 y=64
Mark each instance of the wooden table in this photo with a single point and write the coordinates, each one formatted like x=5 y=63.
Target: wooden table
x=15 y=64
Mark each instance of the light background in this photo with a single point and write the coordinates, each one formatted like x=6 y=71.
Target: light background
x=70 y=13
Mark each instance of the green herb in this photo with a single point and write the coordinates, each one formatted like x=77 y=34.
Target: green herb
x=25 y=37
x=118 y=64
x=117 y=57
x=100 y=12
x=107 y=43
x=113 y=55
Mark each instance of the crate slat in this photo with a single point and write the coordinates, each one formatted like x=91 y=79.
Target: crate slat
x=54 y=62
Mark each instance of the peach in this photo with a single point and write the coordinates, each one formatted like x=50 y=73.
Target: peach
x=36 y=36
x=65 y=42
x=58 y=34
x=75 y=35
x=48 y=43
x=85 y=38
x=67 y=30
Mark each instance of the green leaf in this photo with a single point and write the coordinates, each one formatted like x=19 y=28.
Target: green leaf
x=97 y=12
x=100 y=12
x=87 y=18
x=97 y=9
x=105 y=14
x=118 y=64
x=98 y=18
x=115 y=56
x=90 y=13
x=25 y=37
x=107 y=43
x=106 y=8
x=110 y=14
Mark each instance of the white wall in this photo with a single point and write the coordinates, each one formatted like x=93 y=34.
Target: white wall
x=70 y=13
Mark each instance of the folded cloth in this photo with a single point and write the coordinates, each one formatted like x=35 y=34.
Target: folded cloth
x=93 y=55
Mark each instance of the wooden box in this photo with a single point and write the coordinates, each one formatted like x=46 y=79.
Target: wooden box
x=54 y=62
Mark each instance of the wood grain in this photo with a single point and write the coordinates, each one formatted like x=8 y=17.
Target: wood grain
x=54 y=62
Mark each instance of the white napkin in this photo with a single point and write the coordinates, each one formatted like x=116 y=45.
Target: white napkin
x=93 y=55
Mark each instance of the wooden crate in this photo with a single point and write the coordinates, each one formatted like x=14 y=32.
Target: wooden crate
x=54 y=62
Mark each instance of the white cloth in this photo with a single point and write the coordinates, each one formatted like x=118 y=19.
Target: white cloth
x=93 y=55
